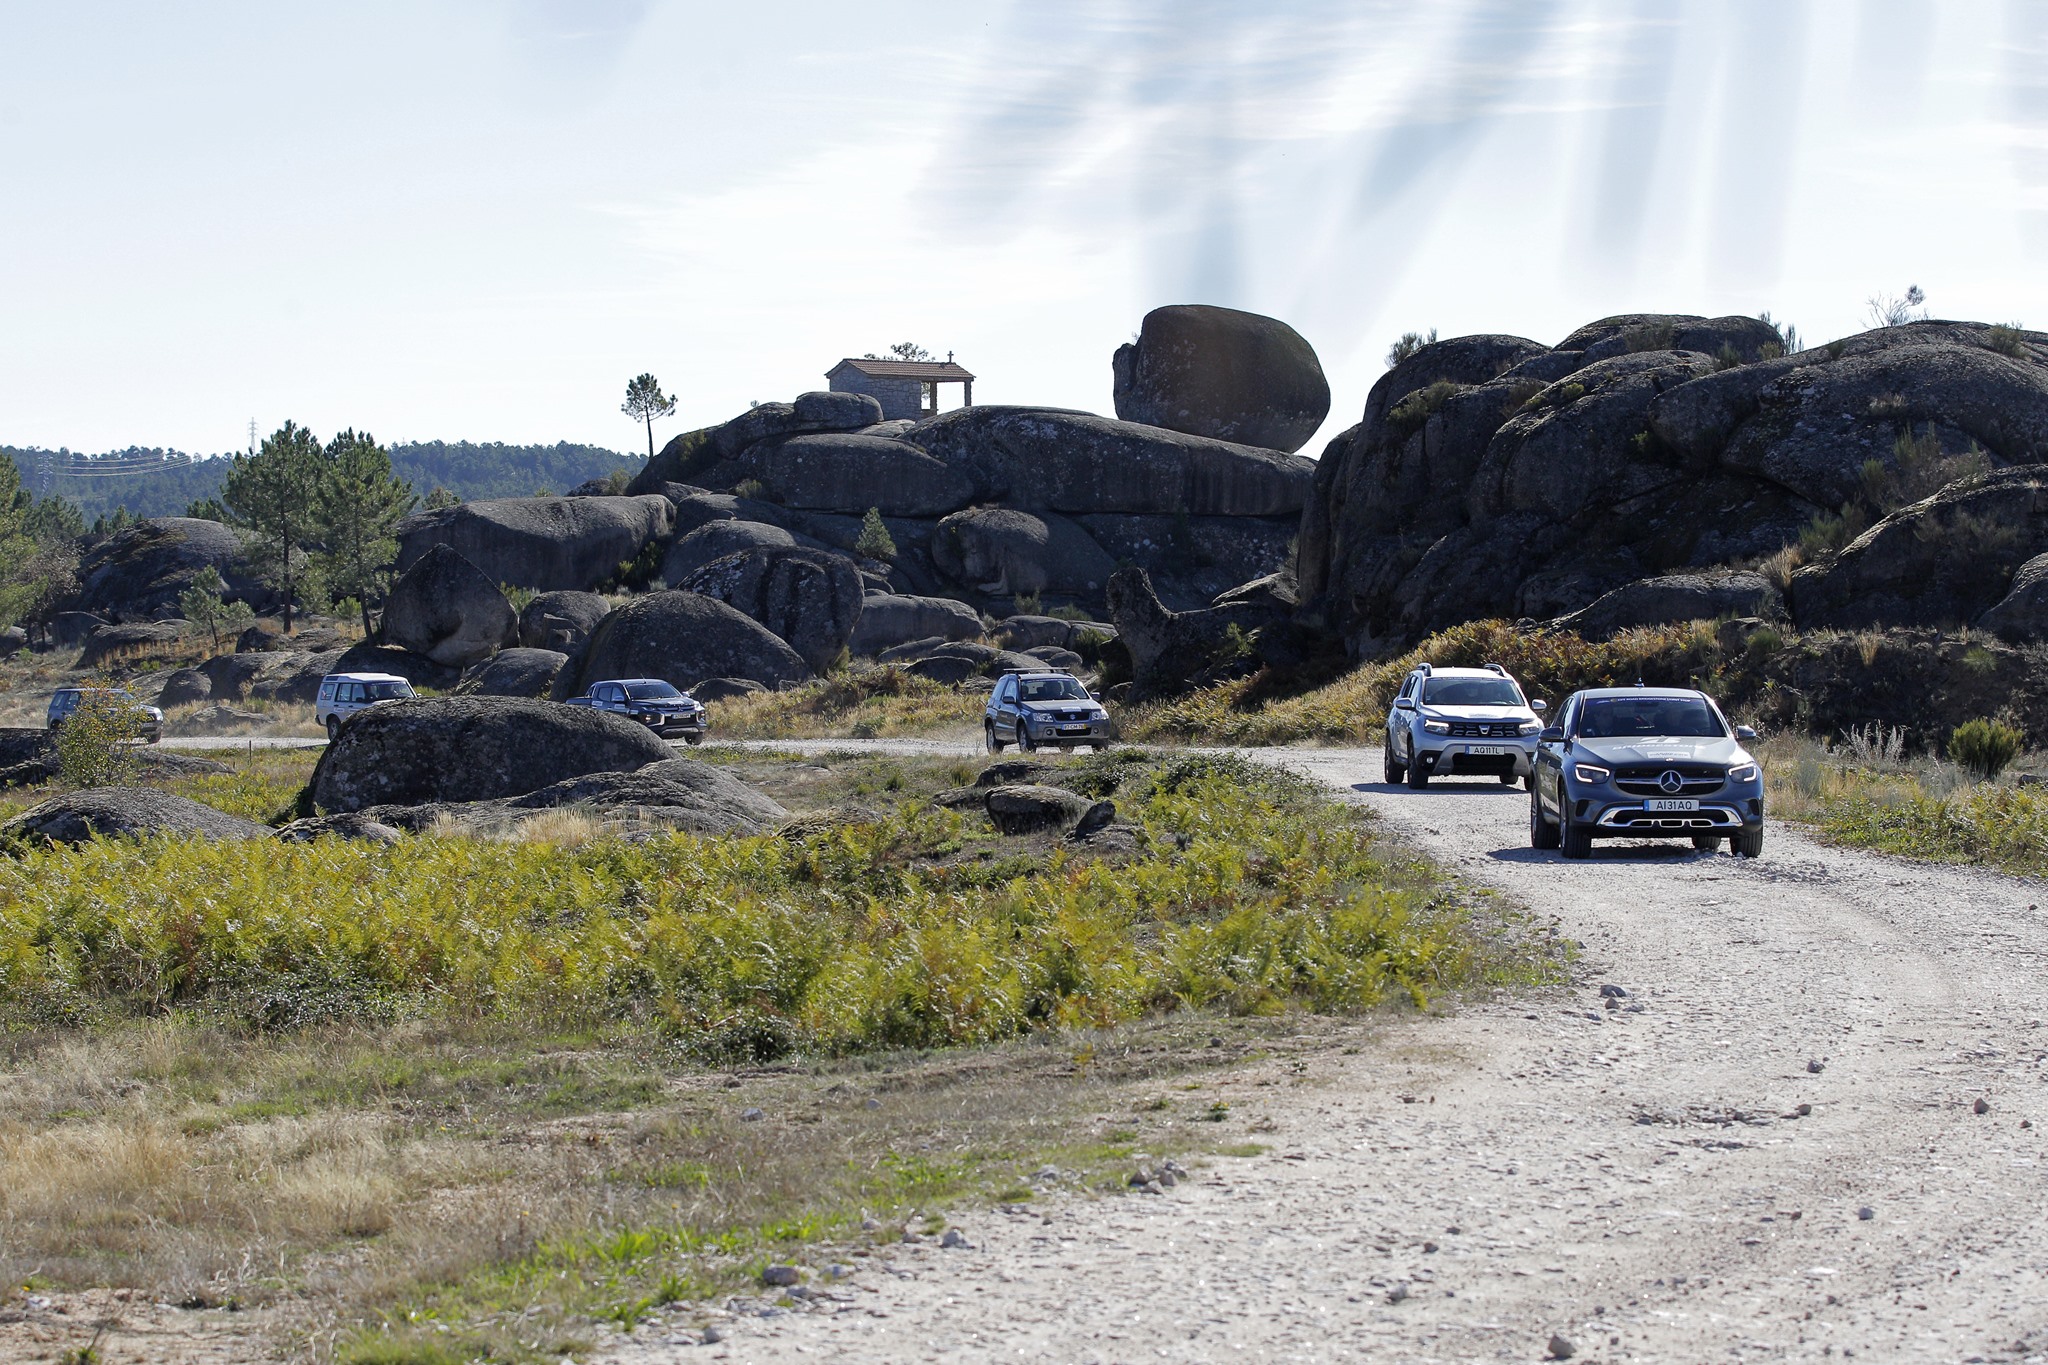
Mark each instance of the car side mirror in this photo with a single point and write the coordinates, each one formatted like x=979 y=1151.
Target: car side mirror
x=1404 y=703
x=1745 y=732
x=1554 y=735
x=1539 y=705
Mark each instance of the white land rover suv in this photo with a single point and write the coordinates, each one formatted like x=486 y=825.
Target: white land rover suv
x=1462 y=721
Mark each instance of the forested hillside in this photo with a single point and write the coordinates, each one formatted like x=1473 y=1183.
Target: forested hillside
x=168 y=481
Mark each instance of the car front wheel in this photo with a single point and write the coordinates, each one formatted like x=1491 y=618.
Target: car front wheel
x=1748 y=843
x=1418 y=776
x=1542 y=834
x=1024 y=744
x=1707 y=843
x=1390 y=771
x=1576 y=839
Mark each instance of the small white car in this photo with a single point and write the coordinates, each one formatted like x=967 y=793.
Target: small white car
x=344 y=694
x=1462 y=721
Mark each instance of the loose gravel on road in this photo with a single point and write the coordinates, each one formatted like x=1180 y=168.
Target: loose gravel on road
x=1791 y=1109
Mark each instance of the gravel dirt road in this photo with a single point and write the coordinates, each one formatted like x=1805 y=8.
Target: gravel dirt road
x=1772 y=1147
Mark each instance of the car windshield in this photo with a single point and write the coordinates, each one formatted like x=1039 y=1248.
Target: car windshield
x=651 y=691
x=1623 y=717
x=104 y=694
x=386 y=691
x=1471 y=692
x=1051 y=689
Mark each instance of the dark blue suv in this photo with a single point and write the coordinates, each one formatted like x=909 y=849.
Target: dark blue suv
x=1645 y=763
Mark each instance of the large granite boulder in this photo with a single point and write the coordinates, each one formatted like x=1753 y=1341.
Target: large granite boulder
x=681 y=637
x=850 y=472
x=1192 y=559
x=716 y=540
x=561 y=620
x=513 y=673
x=891 y=619
x=811 y=598
x=685 y=457
x=1002 y=551
x=444 y=608
x=1049 y=460
x=124 y=812
x=1218 y=372
x=439 y=749
x=541 y=543
x=183 y=687
x=141 y=570
x=1944 y=561
x=1673 y=598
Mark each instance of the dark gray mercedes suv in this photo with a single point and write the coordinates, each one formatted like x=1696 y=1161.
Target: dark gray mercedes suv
x=1645 y=763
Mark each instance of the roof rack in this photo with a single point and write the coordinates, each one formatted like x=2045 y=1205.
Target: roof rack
x=1049 y=668
x=1423 y=669
x=1496 y=668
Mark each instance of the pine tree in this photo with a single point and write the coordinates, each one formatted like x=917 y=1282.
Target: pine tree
x=360 y=502
x=874 y=541
x=644 y=402
x=274 y=493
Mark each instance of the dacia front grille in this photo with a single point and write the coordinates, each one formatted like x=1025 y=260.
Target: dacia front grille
x=1485 y=729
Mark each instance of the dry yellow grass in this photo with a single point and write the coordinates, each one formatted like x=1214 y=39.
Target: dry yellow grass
x=865 y=703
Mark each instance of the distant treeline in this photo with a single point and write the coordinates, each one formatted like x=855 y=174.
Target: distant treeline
x=166 y=482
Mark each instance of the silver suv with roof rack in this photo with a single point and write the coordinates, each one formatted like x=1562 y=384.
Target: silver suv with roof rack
x=1462 y=722
x=1044 y=709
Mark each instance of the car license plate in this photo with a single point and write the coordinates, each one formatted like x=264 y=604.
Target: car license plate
x=1671 y=805
x=1485 y=750
x=1073 y=729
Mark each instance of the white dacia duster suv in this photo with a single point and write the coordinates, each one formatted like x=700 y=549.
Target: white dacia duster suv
x=1463 y=721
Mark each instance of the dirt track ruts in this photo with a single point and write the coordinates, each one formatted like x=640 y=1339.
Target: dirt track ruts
x=1641 y=1182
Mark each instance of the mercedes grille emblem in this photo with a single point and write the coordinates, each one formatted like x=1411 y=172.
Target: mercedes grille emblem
x=1671 y=781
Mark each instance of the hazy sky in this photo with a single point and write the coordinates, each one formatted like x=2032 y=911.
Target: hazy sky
x=479 y=220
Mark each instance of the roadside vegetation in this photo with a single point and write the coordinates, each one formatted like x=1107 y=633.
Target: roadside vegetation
x=1867 y=791
x=880 y=702
x=480 y=1097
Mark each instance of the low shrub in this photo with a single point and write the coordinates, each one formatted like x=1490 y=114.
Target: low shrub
x=2007 y=339
x=96 y=743
x=1408 y=415
x=1984 y=747
x=1254 y=897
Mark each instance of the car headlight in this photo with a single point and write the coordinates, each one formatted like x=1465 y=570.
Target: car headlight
x=1745 y=772
x=1098 y=714
x=1437 y=727
x=1591 y=772
x=1529 y=727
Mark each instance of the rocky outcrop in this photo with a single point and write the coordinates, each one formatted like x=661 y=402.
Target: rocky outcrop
x=1218 y=372
x=684 y=458
x=445 y=609
x=1049 y=460
x=2022 y=614
x=889 y=619
x=1492 y=476
x=681 y=637
x=1027 y=809
x=1002 y=551
x=1944 y=561
x=183 y=687
x=138 y=638
x=69 y=628
x=442 y=749
x=124 y=812
x=1673 y=598
x=547 y=544
x=1174 y=651
x=853 y=470
x=353 y=825
x=513 y=673
x=139 y=571
x=561 y=620
x=811 y=598
x=680 y=793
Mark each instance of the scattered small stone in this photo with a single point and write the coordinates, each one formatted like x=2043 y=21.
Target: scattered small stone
x=1613 y=1003
x=712 y=1336
x=874 y=1103
x=1560 y=1349
x=1866 y=1213
x=1613 y=992
x=1452 y=1230
x=1634 y=1009
x=780 y=1276
x=1815 y=1065
x=1215 y=1041
x=2026 y=1123
x=1429 y=1248
x=870 y=1225
x=1982 y=1106
x=1803 y=1110
x=1045 y=1175
x=838 y=1270
x=1398 y=1293
x=751 y=1116
x=956 y=1240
